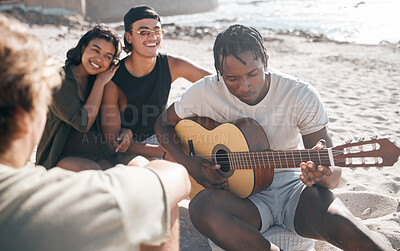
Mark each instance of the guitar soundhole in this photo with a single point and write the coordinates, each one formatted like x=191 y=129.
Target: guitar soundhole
x=221 y=158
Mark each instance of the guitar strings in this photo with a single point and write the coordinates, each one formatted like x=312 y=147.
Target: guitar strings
x=283 y=160
x=273 y=154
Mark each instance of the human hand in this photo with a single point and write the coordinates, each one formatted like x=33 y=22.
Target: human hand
x=203 y=171
x=123 y=140
x=106 y=76
x=311 y=174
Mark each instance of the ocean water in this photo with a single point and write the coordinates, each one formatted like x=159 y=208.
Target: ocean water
x=358 y=21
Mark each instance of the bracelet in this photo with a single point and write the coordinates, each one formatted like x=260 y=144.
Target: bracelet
x=163 y=157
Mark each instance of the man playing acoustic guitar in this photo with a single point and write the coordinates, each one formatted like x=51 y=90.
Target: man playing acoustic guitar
x=286 y=108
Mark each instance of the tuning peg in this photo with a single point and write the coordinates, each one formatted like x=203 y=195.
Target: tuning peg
x=379 y=167
x=349 y=161
x=375 y=137
x=353 y=168
x=363 y=160
x=366 y=168
x=361 y=139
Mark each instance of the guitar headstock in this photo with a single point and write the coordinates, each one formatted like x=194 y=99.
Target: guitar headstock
x=366 y=153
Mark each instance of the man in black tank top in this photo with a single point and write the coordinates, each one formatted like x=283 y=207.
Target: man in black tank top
x=139 y=91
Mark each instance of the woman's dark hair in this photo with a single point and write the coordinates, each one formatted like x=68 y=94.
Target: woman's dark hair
x=235 y=40
x=75 y=54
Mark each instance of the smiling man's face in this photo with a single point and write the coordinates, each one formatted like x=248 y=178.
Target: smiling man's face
x=146 y=46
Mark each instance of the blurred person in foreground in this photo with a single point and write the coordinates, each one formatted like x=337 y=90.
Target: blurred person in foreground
x=122 y=208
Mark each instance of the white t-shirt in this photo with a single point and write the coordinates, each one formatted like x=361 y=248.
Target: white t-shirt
x=290 y=108
x=57 y=209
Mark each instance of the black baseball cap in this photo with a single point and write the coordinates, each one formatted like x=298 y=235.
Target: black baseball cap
x=137 y=13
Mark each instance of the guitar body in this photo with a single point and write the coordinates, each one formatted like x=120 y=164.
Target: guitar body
x=210 y=140
x=241 y=148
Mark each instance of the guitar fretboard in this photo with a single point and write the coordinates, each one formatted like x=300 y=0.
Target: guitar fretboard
x=277 y=159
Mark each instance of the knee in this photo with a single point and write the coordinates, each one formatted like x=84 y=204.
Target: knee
x=317 y=209
x=77 y=165
x=316 y=197
x=202 y=206
x=312 y=206
x=327 y=202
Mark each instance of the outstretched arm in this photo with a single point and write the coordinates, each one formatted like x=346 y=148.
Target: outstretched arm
x=183 y=67
x=174 y=178
x=328 y=177
x=176 y=184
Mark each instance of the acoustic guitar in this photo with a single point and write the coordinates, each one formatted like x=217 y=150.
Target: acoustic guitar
x=242 y=149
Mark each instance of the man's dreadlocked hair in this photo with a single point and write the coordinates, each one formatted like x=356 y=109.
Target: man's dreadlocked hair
x=235 y=40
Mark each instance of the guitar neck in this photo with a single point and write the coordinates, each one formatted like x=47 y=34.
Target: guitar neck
x=373 y=152
x=277 y=159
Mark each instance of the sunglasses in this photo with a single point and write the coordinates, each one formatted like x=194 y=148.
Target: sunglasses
x=146 y=32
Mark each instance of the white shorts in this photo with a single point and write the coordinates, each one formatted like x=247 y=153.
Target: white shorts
x=277 y=204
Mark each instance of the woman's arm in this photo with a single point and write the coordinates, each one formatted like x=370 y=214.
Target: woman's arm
x=67 y=105
x=93 y=102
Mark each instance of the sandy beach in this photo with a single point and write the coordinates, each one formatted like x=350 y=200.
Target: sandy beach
x=360 y=86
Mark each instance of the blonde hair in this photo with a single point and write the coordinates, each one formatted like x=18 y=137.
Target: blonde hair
x=27 y=76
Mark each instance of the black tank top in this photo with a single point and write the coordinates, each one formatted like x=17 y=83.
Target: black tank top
x=146 y=97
